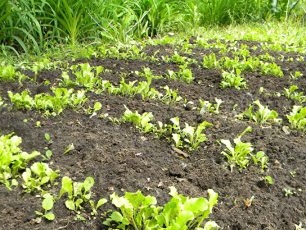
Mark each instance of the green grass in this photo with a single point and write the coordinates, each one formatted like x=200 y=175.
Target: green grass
x=32 y=26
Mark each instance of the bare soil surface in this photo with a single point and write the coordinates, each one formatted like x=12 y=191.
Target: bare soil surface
x=121 y=158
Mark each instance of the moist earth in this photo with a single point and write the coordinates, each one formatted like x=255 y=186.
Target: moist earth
x=120 y=158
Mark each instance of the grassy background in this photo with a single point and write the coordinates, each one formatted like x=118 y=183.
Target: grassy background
x=32 y=26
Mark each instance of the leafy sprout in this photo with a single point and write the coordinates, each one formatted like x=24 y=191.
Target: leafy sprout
x=140 y=212
x=297 y=118
x=261 y=115
x=233 y=79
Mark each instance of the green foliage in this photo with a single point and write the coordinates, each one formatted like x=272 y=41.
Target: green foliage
x=187 y=138
x=124 y=88
x=192 y=137
x=170 y=95
x=262 y=115
x=1 y=102
x=297 y=118
x=261 y=159
x=47 y=205
x=7 y=73
x=271 y=69
x=184 y=74
x=210 y=61
x=49 y=104
x=233 y=79
x=20 y=29
x=142 y=122
x=12 y=159
x=21 y=100
x=85 y=76
x=37 y=176
x=208 y=107
x=137 y=211
x=79 y=194
x=297 y=74
x=269 y=180
x=294 y=95
x=93 y=110
x=31 y=26
x=239 y=153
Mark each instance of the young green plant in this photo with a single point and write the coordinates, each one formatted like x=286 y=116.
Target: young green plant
x=12 y=159
x=137 y=211
x=36 y=177
x=262 y=115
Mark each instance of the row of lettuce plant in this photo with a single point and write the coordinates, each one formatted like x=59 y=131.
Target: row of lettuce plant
x=133 y=209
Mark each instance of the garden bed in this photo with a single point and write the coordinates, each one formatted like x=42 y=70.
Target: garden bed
x=121 y=157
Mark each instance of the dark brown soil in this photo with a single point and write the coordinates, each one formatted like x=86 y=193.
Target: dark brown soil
x=121 y=158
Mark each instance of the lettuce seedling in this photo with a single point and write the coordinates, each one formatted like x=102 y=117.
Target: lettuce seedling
x=87 y=76
x=140 y=212
x=210 y=61
x=39 y=175
x=136 y=211
x=262 y=115
x=187 y=213
x=297 y=118
x=189 y=138
x=22 y=100
x=268 y=180
x=79 y=194
x=170 y=95
x=239 y=153
x=261 y=159
x=47 y=205
x=271 y=69
x=184 y=74
x=293 y=94
x=206 y=106
x=1 y=102
x=233 y=79
x=7 y=73
x=193 y=137
x=92 y=111
x=12 y=159
x=142 y=122
x=49 y=104
x=69 y=148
